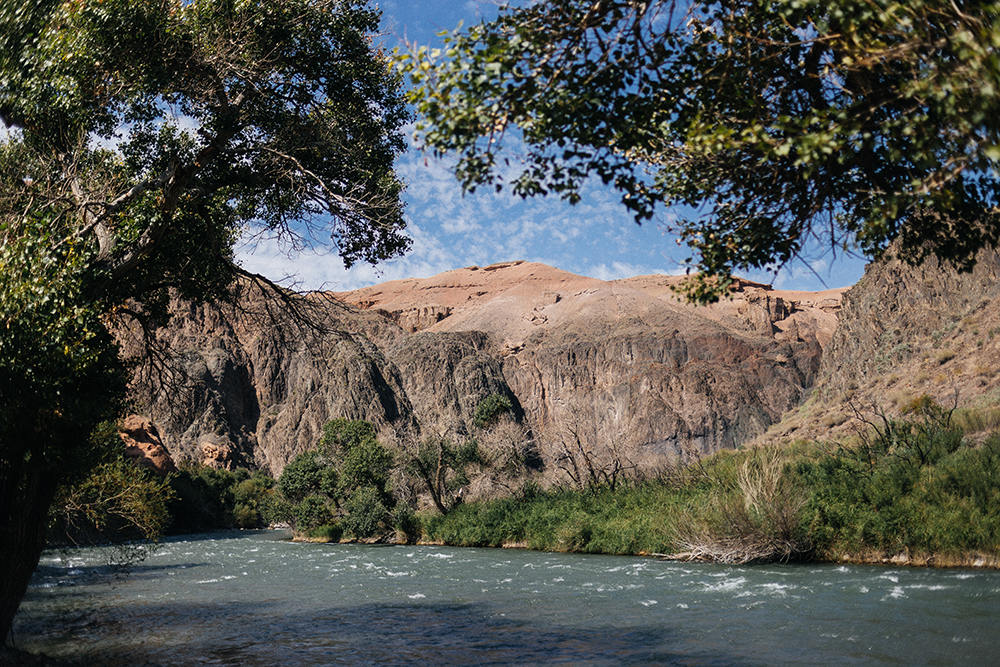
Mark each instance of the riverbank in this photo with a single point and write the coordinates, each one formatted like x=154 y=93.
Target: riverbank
x=914 y=492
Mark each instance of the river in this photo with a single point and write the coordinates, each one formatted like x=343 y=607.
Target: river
x=256 y=599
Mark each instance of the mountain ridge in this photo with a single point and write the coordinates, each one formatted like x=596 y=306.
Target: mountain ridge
x=623 y=365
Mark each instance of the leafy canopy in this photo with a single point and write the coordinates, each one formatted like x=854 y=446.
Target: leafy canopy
x=852 y=121
x=144 y=137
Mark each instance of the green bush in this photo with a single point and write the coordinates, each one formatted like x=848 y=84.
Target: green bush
x=365 y=513
x=116 y=502
x=311 y=512
x=209 y=499
x=303 y=476
x=345 y=478
x=913 y=485
x=366 y=464
x=490 y=409
x=274 y=509
x=345 y=434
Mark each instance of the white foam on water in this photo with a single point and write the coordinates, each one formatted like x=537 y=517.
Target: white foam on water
x=559 y=580
x=440 y=555
x=397 y=574
x=727 y=585
x=681 y=605
x=416 y=596
x=648 y=603
x=896 y=593
x=776 y=588
x=207 y=581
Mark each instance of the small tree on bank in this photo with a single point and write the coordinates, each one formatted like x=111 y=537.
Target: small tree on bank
x=345 y=480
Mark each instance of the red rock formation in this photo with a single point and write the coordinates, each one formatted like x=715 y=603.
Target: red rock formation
x=143 y=445
x=622 y=364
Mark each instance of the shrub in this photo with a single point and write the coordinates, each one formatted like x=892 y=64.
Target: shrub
x=345 y=433
x=209 y=499
x=490 y=409
x=756 y=519
x=366 y=464
x=274 y=509
x=911 y=484
x=311 y=512
x=303 y=475
x=340 y=478
x=366 y=514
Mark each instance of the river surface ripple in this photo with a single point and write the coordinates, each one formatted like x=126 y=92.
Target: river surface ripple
x=255 y=599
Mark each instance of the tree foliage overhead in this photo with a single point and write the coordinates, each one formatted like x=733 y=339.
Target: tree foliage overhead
x=852 y=121
x=143 y=138
x=219 y=113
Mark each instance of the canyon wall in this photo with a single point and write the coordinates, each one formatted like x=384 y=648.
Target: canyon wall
x=622 y=365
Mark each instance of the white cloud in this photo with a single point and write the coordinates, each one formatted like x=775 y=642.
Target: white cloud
x=619 y=270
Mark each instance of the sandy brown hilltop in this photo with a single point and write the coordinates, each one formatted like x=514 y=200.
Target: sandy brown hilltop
x=512 y=300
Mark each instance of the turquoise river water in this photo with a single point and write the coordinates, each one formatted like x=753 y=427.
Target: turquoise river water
x=256 y=599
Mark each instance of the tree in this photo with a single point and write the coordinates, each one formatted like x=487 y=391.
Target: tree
x=145 y=136
x=856 y=122
x=442 y=467
x=117 y=501
x=348 y=476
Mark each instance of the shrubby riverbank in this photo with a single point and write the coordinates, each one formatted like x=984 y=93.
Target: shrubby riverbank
x=923 y=490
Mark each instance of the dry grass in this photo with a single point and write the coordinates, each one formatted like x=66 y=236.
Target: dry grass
x=757 y=523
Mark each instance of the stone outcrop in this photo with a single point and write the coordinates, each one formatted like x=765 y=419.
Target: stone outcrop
x=905 y=332
x=897 y=313
x=143 y=446
x=622 y=364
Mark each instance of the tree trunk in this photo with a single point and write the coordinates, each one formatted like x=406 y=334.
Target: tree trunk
x=26 y=493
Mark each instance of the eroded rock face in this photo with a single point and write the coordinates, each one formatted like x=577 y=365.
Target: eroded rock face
x=143 y=445
x=255 y=389
x=929 y=327
x=621 y=364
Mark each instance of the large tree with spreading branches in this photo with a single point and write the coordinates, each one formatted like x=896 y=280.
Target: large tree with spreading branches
x=143 y=137
x=854 y=122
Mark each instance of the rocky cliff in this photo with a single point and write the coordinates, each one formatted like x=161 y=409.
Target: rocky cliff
x=621 y=365
x=904 y=332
